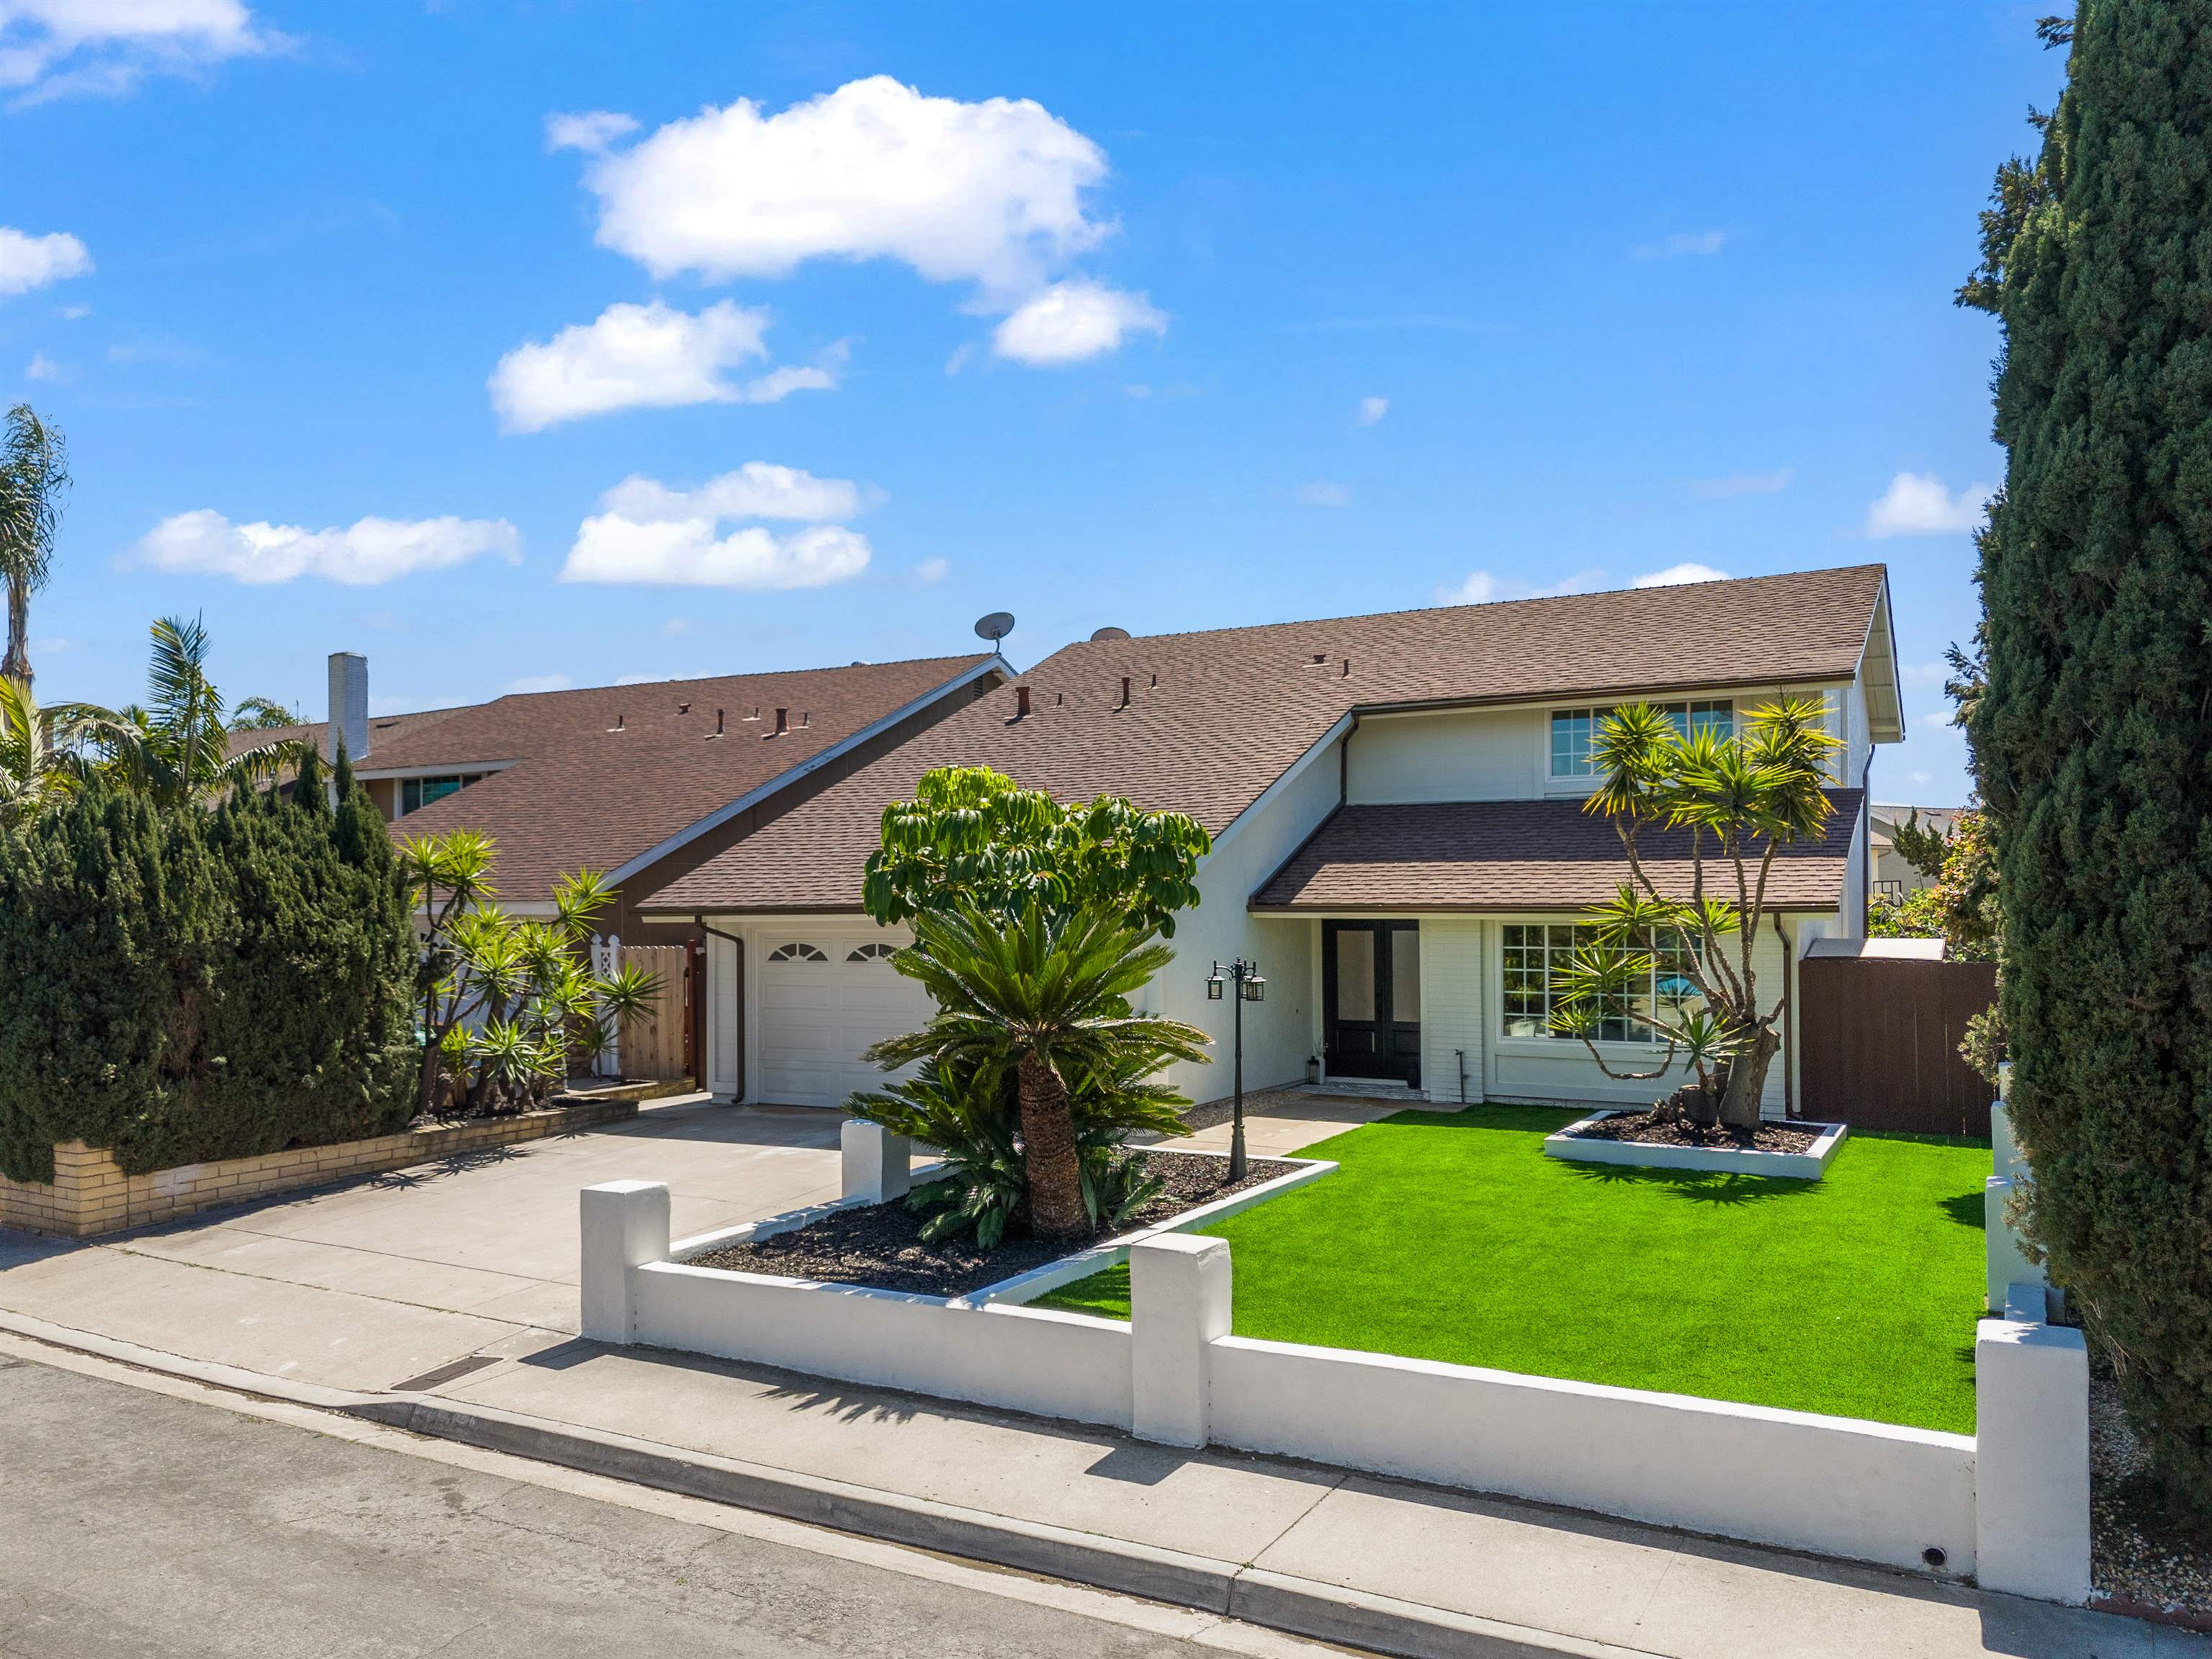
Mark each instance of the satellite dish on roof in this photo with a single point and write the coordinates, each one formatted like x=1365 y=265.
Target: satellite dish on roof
x=994 y=627
x=1109 y=634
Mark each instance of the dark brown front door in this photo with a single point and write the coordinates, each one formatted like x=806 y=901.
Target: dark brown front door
x=1371 y=999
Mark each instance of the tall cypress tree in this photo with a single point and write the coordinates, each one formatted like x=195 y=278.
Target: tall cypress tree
x=2093 y=737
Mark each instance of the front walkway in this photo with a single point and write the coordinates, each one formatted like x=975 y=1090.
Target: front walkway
x=470 y=1271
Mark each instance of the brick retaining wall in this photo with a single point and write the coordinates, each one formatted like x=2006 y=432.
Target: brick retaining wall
x=90 y=1194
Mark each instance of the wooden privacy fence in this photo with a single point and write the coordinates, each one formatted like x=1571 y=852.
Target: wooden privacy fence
x=1880 y=1039
x=655 y=1045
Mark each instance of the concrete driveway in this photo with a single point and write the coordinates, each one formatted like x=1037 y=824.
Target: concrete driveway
x=368 y=1285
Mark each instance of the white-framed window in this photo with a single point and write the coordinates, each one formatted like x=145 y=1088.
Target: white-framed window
x=873 y=952
x=415 y=793
x=1535 y=956
x=1573 y=730
x=796 y=952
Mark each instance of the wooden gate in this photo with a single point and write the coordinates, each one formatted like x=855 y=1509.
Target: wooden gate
x=1881 y=1037
x=658 y=1045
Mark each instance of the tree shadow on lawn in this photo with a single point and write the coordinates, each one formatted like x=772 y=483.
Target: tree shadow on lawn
x=1715 y=1187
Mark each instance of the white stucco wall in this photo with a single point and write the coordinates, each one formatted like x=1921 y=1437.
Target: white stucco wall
x=1278 y=1032
x=1456 y=1005
x=1464 y=754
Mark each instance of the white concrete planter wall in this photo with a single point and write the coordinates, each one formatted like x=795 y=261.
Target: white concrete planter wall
x=1810 y=1165
x=2013 y=1504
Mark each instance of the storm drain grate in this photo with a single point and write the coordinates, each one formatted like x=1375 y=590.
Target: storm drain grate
x=443 y=1374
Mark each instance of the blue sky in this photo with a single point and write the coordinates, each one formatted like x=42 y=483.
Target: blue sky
x=1216 y=316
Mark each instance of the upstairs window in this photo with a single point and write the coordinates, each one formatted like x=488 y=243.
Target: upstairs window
x=415 y=793
x=1574 y=729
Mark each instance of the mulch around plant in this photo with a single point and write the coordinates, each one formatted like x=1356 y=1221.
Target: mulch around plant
x=879 y=1245
x=2141 y=1560
x=1646 y=1129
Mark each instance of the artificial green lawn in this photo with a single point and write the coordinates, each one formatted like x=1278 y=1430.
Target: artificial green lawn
x=1453 y=1237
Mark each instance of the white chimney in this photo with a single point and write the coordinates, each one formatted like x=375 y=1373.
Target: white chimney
x=349 y=706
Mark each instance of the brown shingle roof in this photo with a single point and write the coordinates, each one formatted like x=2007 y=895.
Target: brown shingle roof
x=581 y=793
x=1214 y=718
x=382 y=729
x=1523 y=855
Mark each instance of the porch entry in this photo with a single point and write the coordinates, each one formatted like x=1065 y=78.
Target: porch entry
x=1371 y=999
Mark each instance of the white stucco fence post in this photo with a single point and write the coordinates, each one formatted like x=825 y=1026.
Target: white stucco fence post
x=1179 y=1307
x=625 y=1225
x=2032 y=1460
x=877 y=1165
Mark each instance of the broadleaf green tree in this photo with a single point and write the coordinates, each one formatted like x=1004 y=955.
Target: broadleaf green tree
x=973 y=836
x=2092 y=732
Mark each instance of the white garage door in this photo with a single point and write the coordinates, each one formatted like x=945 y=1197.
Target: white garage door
x=823 y=1000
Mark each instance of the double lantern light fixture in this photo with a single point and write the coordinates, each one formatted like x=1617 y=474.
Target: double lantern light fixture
x=1250 y=988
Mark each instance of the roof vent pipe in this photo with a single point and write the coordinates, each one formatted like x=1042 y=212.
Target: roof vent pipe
x=1021 y=702
x=718 y=722
x=1347 y=668
x=1125 y=690
x=782 y=722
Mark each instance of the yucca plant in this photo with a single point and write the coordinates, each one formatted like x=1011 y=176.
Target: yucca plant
x=522 y=985
x=1742 y=798
x=1038 y=1005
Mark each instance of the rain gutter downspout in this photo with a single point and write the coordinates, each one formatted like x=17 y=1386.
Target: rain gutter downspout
x=699 y=921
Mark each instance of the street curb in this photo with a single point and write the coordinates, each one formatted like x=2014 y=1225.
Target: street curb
x=1297 y=1607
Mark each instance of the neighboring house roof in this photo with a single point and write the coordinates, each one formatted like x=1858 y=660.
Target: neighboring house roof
x=1215 y=718
x=384 y=729
x=603 y=777
x=1524 y=855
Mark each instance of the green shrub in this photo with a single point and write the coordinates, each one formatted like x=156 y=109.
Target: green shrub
x=186 y=985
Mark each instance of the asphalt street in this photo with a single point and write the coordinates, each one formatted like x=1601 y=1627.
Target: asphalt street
x=133 y=1523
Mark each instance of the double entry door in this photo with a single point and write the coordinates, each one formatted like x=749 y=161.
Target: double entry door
x=1371 y=999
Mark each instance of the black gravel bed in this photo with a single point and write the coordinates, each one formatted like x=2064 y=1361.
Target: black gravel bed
x=1646 y=1129
x=2142 y=1559
x=879 y=1245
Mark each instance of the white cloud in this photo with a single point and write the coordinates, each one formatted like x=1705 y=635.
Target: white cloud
x=27 y=261
x=649 y=533
x=42 y=367
x=647 y=356
x=362 y=554
x=1680 y=575
x=1372 y=410
x=933 y=571
x=675 y=627
x=1480 y=587
x=757 y=489
x=75 y=314
x=592 y=132
x=1692 y=243
x=990 y=192
x=53 y=48
x=1323 y=492
x=1917 y=504
x=1071 y=321
x=687 y=553
x=1925 y=673
x=1742 y=484
x=533 y=683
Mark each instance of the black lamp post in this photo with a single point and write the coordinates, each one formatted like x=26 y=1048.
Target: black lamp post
x=1250 y=988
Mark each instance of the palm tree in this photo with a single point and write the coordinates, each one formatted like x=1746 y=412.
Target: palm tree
x=41 y=761
x=34 y=472
x=178 y=750
x=1045 y=998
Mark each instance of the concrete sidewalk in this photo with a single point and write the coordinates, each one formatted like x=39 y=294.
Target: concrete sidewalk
x=1379 y=1564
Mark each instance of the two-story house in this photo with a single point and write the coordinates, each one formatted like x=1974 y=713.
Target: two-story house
x=1396 y=804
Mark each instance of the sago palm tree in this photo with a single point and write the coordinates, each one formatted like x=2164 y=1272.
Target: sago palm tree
x=178 y=749
x=34 y=472
x=1045 y=998
x=40 y=757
